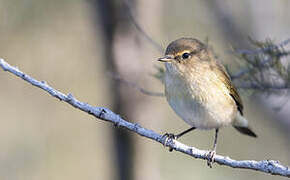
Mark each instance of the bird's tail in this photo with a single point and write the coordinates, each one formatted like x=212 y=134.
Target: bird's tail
x=241 y=124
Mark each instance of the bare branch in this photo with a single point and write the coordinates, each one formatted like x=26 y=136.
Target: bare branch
x=263 y=62
x=135 y=86
x=139 y=28
x=256 y=86
x=267 y=166
x=263 y=50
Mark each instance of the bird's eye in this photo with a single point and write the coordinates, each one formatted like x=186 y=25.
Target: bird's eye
x=185 y=55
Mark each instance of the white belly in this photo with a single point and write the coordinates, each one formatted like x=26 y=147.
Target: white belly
x=189 y=110
x=197 y=113
x=192 y=112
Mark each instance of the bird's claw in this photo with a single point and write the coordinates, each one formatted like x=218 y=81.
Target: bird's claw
x=210 y=158
x=169 y=136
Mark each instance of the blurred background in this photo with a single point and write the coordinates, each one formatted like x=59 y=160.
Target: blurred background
x=81 y=46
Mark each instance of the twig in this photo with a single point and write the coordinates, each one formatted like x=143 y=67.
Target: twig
x=265 y=49
x=264 y=62
x=135 y=86
x=139 y=28
x=267 y=166
x=256 y=86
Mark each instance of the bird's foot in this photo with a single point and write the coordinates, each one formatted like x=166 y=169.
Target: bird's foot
x=210 y=158
x=168 y=137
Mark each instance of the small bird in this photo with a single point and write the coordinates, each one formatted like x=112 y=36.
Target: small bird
x=200 y=91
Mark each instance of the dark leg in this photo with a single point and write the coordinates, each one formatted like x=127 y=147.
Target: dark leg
x=172 y=136
x=215 y=139
x=212 y=153
x=184 y=132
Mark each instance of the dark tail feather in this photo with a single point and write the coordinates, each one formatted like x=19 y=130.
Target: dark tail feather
x=246 y=131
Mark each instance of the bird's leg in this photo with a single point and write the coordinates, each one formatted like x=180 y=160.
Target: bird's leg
x=172 y=136
x=212 y=153
x=185 y=132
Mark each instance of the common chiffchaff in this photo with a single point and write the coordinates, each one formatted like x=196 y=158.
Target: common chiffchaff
x=200 y=91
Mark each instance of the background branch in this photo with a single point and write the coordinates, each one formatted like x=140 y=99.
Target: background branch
x=135 y=86
x=140 y=29
x=263 y=61
x=263 y=50
x=267 y=166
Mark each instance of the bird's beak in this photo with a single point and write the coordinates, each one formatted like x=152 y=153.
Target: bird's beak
x=166 y=58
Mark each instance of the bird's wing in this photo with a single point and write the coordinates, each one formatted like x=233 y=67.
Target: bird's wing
x=233 y=91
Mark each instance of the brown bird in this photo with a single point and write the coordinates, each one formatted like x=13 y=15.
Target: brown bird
x=200 y=91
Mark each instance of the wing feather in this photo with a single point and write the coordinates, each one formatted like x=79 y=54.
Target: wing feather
x=233 y=91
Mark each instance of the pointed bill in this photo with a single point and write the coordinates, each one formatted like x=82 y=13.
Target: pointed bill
x=166 y=58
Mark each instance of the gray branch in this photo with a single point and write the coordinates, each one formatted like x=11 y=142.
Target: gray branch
x=264 y=86
x=263 y=50
x=135 y=86
x=140 y=29
x=260 y=50
x=267 y=166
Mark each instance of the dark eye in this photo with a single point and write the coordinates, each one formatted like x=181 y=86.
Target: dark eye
x=185 y=55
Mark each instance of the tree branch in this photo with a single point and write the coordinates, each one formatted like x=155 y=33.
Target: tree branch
x=267 y=166
x=258 y=51
x=140 y=29
x=135 y=86
x=263 y=50
x=264 y=86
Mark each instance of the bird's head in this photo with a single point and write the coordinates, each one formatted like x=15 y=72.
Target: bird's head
x=184 y=52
